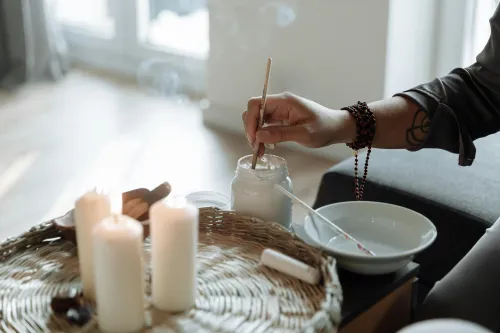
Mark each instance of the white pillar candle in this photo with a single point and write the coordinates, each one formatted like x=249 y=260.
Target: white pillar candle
x=290 y=266
x=174 y=242
x=90 y=209
x=119 y=274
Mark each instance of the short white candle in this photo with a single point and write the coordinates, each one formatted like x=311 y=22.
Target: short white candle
x=90 y=209
x=290 y=266
x=174 y=242
x=119 y=274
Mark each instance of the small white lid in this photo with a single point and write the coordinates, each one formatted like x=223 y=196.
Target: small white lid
x=209 y=199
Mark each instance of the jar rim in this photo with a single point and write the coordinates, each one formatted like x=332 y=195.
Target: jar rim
x=244 y=167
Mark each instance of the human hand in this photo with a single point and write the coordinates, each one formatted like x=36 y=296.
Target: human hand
x=288 y=117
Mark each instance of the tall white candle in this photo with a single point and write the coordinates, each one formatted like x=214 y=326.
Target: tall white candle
x=174 y=242
x=90 y=209
x=119 y=274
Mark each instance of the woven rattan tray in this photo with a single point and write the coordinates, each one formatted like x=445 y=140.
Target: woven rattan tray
x=236 y=293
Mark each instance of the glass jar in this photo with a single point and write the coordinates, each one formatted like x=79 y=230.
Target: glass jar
x=253 y=192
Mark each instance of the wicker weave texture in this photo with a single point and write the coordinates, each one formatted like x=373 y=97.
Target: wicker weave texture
x=235 y=292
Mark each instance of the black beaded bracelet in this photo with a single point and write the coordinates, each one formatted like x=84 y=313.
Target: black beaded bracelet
x=365 y=131
x=365 y=125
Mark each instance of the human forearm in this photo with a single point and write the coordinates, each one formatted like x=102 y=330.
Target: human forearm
x=401 y=123
x=447 y=113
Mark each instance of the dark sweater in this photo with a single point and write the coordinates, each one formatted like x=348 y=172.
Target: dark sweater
x=465 y=104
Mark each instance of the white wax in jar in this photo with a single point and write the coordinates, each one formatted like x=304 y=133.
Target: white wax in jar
x=90 y=209
x=119 y=274
x=174 y=246
x=253 y=194
x=290 y=266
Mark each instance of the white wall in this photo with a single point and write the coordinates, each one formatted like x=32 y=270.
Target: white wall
x=426 y=39
x=335 y=52
x=411 y=44
x=453 y=35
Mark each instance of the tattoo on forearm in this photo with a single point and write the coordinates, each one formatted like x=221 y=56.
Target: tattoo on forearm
x=417 y=133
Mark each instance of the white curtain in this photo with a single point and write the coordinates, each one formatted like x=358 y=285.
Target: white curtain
x=34 y=47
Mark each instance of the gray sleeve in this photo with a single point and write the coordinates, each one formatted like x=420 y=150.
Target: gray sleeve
x=465 y=104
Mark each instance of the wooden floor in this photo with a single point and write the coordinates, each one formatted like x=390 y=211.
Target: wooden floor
x=59 y=139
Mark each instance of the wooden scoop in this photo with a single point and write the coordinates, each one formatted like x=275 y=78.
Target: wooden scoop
x=136 y=204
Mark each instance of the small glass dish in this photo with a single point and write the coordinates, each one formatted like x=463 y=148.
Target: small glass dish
x=209 y=199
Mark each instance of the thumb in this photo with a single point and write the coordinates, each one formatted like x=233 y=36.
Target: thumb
x=277 y=134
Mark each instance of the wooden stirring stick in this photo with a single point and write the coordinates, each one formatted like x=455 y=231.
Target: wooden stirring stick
x=262 y=108
x=327 y=221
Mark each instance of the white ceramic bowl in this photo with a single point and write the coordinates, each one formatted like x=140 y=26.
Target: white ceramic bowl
x=396 y=234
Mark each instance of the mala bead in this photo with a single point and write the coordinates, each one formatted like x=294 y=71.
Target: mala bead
x=365 y=131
